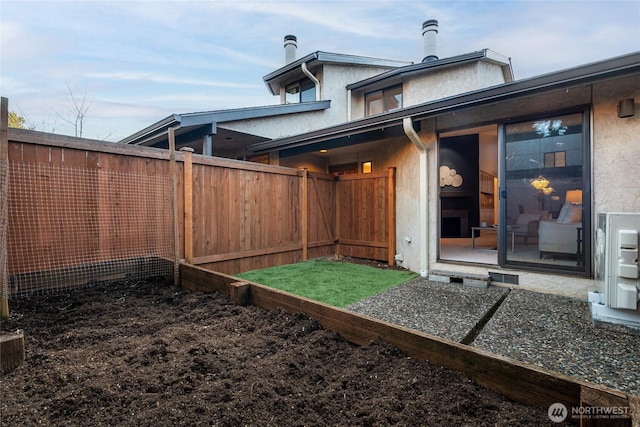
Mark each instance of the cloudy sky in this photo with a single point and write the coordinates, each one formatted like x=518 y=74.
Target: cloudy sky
x=136 y=62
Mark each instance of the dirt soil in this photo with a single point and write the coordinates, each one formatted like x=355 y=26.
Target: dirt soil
x=146 y=353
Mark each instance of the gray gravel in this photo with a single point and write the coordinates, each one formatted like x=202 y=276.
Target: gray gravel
x=549 y=331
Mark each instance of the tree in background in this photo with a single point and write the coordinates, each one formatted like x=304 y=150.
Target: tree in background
x=17 y=121
x=78 y=110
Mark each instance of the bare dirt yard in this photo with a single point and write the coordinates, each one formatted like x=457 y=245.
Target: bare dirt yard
x=146 y=353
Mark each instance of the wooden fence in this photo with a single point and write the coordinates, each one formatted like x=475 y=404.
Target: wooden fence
x=82 y=211
x=77 y=205
x=366 y=216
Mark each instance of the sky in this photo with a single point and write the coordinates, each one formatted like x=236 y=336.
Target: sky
x=128 y=64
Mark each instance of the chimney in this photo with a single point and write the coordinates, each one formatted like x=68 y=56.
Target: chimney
x=429 y=34
x=290 y=46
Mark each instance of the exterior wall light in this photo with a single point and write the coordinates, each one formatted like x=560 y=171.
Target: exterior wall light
x=626 y=108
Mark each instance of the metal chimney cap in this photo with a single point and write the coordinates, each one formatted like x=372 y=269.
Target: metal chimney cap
x=290 y=37
x=429 y=58
x=430 y=23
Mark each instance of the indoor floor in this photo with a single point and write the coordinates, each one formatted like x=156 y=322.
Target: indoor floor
x=485 y=251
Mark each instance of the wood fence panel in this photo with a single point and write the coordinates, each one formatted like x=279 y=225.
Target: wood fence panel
x=321 y=208
x=364 y=210
x=245 y=219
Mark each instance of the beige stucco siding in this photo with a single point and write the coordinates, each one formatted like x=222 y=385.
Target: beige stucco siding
x=447 y=82
x=616 y=148
x=440 y=83
x=339 y=77
x=278 y=127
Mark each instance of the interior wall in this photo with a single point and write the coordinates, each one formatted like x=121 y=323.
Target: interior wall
x=460 y=153
x=488 y=156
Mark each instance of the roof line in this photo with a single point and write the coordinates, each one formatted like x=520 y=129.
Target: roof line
x=589 y=73
x=220 y=116
x=467 y=57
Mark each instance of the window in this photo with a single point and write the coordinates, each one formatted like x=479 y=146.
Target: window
x=546 y=171
x=367 y=167
x=555 y=159
x=301 y=91
x=382 y=101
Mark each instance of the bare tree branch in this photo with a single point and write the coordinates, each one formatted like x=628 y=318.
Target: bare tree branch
x=79 y=110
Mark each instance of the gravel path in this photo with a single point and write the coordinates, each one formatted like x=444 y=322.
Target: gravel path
x=549 y=331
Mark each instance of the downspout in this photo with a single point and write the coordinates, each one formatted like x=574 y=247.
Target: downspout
x=349 y=105
x=423 y=194
x=313 y=78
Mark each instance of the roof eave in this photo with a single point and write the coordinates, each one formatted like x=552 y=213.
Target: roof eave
x=397 y=75
x=272 y=80
x=220 y=116
x=586 y=74
x=152 y=130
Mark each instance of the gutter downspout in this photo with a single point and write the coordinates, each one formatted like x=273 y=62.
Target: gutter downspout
x=423 y=194
x=313 y=78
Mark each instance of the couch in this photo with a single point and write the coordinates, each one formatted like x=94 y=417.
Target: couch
x=560 y=236
x=527 y=224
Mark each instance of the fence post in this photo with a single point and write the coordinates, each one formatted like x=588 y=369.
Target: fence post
x=4 y=193
x=174 y=202
x=338 y=214
x=305 y=215
x=188 y=203
x=391 y=215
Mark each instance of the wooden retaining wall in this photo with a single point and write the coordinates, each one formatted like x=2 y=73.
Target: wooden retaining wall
x=517 y=380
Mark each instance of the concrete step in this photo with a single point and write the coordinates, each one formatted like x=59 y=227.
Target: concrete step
x=468 y=279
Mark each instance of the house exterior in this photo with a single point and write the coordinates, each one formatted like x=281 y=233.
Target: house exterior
x=528 y=163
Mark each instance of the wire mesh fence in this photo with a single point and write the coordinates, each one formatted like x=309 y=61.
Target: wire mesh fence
x=73 y=226
x=4 y=191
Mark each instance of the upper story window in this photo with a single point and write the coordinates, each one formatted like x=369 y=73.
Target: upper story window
x=384 y=100
x=300 y=91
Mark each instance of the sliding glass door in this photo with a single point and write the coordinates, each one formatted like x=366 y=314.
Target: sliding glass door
x=544 y=191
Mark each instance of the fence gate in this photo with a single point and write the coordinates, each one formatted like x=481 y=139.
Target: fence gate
x=366 y=216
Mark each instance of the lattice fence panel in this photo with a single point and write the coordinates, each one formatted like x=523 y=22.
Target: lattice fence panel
x=70 y=227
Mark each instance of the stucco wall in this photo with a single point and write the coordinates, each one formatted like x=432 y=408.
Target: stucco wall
x=333 y=78
x=616 y=148
x=440 y=83
x=280 y=126
x=450 y=81
x=307 y=161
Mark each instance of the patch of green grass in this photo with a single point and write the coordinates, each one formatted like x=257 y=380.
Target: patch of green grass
x=331 y=282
